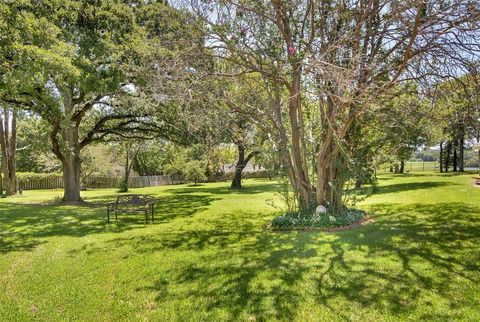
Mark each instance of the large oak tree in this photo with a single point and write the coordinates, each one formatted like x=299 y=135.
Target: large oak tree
x=88 y=85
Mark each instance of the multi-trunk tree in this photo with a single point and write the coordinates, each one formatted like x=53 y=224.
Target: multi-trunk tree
x=342 y=56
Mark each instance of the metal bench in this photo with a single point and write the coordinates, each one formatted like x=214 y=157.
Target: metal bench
x=132 y=204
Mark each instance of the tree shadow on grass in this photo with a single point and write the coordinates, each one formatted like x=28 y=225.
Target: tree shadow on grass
x=455 y=174
x=386 y=266
x=408 y=174
x=402 y=187
x=25 y=226
x=232 y=264
x=249 y=188
x=427 y=248
x=242 y=250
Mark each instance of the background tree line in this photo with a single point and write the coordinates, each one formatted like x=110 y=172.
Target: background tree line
x=323 y=92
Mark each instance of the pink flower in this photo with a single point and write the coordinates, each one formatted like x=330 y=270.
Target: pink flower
x=292 y=50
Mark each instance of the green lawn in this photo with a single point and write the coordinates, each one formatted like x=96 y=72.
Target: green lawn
x=209 y=257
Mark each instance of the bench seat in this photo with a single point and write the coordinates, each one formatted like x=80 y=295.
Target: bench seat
x=132 y=204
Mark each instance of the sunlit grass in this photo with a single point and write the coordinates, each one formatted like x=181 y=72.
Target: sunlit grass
x=210 y=257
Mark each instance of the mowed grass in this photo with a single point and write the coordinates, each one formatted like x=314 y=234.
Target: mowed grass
x=209 y=257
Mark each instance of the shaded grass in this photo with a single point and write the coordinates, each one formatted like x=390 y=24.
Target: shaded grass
x=209 y=257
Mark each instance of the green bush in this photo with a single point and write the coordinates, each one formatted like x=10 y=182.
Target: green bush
x=33 y=177
x=194 y=172
x=123 y=185
x=310 y=219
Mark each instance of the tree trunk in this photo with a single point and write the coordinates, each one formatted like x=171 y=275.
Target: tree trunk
x=455 y=158
x=127 y=176
x=284 y=148
x=8 y=147
x=299 y=159
x=461 y=157
x=129 y=160
x=402 y=167
x=71 y=178
x=358 y=184
x=127 y=168
x=71 y=164
x=325 y=155
x=237 y=179
x=329 y=185
x=440 y=158
x=479 y=161
x=241 y=164
x=68 y=152
x=396 y=168
x=447 y=156
x=296 y=161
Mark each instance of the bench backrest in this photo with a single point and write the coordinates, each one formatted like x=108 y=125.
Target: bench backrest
x=134 y=200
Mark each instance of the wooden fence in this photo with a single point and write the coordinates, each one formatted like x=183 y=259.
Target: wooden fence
x=41 y=183
x=98 y=182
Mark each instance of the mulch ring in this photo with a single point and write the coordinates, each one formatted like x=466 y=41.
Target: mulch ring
x=362 y=222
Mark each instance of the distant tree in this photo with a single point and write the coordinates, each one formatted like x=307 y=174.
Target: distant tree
x=243 y=135
x=457 y=105
x=24 y=42
x=194 y=172
x=151 y=160
x=130 y=150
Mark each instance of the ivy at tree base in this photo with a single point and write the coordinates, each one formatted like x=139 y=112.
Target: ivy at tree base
x=301 y=220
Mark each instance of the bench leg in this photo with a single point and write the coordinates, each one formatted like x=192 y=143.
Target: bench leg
x=116 y=215
x=153 y=218
x=146 y=216
x=108 y=215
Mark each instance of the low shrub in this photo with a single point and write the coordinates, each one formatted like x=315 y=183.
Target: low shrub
x=123 y=185
x=32 y=176
x=310 y=219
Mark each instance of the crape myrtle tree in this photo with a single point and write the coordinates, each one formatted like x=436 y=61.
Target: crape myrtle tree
x=87 y=86
x=342 y=55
